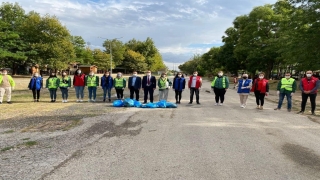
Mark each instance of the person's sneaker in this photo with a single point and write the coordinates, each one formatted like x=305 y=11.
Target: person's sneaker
x=289 y=110
x=300 y=112
x=78 y=100
x=54 y=100
x=35 y=100
x=244 y=106
x=0 y=102
x=258 y=107
x=198 y=103
x=38 y=100
x=81 y=100
x=65 y=101
x=216 y=104
x=220 y=104
x=109 y=100
x=104 y=100
x=9 y=102
x=93 y=100
x=241 y=105
x=51 y=100
x=190 y=103
x=89 y=100
x=261 y=107
x=177 y=102
x=313 y=114
x=145 y=102
x=276 y=109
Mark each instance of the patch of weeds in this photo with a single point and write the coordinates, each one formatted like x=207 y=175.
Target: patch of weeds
x=73 y=124
x=25 y=139
x=9 y=131
x=6 y=148
x=30 y=143
x=23 y=156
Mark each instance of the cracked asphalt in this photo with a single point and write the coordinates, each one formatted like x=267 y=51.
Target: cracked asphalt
x=189 y=142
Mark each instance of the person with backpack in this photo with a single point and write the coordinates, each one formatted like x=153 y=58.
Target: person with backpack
x=52 y=85
x=164 y=84
x=79 y=84
x=65 y=84
x=36 y=84
x=106 y=84
x=92 y=82
x=179 y=84
x=219 y=85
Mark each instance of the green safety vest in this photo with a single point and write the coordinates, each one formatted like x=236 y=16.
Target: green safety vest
x=11 y=81
x=223 y=82
x=62 y=84
x=287 y=84
x=162 y=83
x=91 y=81
x=118 y=83
x=52 y=83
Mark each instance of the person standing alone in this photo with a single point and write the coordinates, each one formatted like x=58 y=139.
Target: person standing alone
x=149 y=84
x=220 y=84
x=308 y=87
x=6 y=86
x=194 y=84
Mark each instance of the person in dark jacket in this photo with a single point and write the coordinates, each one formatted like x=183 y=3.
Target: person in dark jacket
x=134 y=85
x=36 y=84
x=179 y=84
x=106 y=84
x=149 y=84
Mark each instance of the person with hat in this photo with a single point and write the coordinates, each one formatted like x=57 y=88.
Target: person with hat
x=7 y=85
x=36 y=84
x=164 y=84
x=286 y=87
x=65 y=84
x=92 y=82
x=119 y=85
x=52 y=85
x=244 y=85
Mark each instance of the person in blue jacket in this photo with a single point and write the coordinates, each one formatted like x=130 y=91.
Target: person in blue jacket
x=106 y=84
x=36 y=83
x=244 y=85
x=179 y=84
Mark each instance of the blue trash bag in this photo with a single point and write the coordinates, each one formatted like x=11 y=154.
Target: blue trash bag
x=162 y=104
x=137 y=103
x=143 y=106
x=128 y=102
x=171 y=105
x=151 y=105
x=118 y=103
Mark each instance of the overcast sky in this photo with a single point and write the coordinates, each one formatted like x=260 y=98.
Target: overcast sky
x=179 y=28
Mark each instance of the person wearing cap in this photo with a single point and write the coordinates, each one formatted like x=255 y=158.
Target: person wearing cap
x=119 y=85
x=244 y=85
x=308 y=87
x=52 y=85
x=79 y=84
x=7 y=85
x=149 y=84
x=92 y=82
x=134 y=85
x=107 y=85
x=36 y=84
x=219 y=85
x=286 y=87
x=164 y=84
x=65 y=84
x=179 y=84
x=194 y=84
x=260 y=87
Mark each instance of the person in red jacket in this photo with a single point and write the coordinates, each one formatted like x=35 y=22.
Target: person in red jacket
x=79 y=83
x=194 y=84
x=308 y=87
x=260 y=88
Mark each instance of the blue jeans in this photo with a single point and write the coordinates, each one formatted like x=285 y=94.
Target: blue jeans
x=106 y=91
x=53 y=94
x=79 y=91
x=92 y=91
x=64 y=92
x=281 y=97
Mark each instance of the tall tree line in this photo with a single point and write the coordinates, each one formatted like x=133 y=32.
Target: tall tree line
x=271 y=38
x=27 y=39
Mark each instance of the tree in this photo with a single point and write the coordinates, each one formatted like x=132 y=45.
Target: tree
x=101 y=59
x=135 y=61
x=118 y=50
x=79 y=48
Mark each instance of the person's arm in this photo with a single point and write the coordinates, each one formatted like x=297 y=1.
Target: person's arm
x=101 y=81
x=315 y=88
x=143 y=83
x=267 y=87
x=85 y=80
x=29 y=86
x=301 y=86
x=124 y=83
x=294 y=86
x=200 y=82
x=97 y=80
x=114 y=84
x=74 y=79
x=58 y=82
x=41 y=82
x=139 y=82
x=250 y=85
x=12 y=83
x=159 y=83
x=184 y=84
x=227 y=82
x=174 y=80
x=155 y=83
x=47 y=82
x=279 y=85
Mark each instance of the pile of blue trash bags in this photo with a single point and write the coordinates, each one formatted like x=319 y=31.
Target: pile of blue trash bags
x=134 y=103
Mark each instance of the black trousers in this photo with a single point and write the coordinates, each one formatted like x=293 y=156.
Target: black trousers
x=192 y=92
x=178 y=95
x=219 y=94
x=134 y=91
x=119 y=93
x=148 y=90
x=312 y=100
x=259 y=97
x=36 y=94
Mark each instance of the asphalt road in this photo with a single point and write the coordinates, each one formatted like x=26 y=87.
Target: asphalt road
x=203 y=142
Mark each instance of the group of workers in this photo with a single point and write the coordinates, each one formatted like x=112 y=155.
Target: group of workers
x=148 y=83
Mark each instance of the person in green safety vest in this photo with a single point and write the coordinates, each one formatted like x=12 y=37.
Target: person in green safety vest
x=164 y=84
x=52 y=84
x=219 y=85
x=286 y=87
x=65 y=83
x=7 y=85
x=119 y=84
x=92 y=82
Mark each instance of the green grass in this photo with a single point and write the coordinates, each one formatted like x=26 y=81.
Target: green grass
x=30 y=143
x=25 y=139
x=6 y=148
x=8 y=132
x=72 y=125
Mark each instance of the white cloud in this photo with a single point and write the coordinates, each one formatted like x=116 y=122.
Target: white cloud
x=178 y=27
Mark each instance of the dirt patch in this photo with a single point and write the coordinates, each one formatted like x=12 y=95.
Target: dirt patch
x=53 y=126
x=302 y=156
